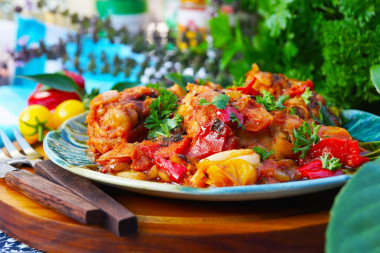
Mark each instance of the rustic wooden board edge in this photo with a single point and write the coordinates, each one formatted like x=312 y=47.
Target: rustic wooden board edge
x=56 y=236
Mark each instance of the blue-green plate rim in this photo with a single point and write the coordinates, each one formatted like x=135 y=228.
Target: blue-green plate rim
x=236 y=193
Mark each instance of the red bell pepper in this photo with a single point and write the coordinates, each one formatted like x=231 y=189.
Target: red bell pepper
x=175 y=171
x=225 y=116
x=346 y=150
x=299 y=89
x=314 y=170
x=248 y=89
x=51 y=98
x=179 y=147
x=210 y=140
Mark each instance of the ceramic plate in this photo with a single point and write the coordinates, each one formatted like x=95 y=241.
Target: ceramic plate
x=67 y=148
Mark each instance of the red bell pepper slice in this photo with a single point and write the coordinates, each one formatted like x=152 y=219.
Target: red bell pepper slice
x=299 y=89
x=248 y=89
x=179 y=147
x=314 y=170
x=175 y=171
x=210 y=140
x=346 y=150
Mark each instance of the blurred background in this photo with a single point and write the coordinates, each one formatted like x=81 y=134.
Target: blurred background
x=333 y=43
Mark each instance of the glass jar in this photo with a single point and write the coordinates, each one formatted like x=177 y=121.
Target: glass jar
x=192 y=23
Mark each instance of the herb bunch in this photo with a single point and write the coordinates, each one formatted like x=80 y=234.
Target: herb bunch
x=305 y=137
x=162 y=119
x=270 y=103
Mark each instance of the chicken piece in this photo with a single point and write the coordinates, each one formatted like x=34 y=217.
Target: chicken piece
x=116 y=117
x=196 y=115
x=276 y=84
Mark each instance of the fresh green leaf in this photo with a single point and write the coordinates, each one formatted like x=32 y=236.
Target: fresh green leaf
x=307 y=95
x=332 y=163
x=203 y=101
x=90 y=96
x=233 y=119
x=292 y=111
x=354 y=218
x=228 y=54
x=263 y=153
x=123 y=85
x=240 y=83
x=159 y=122
x=290 y=50
x=305 y=137
x=220 y=101
x=375 y=76
x=269 y=102
x=181 y=80
x=324 y=116
x=373 y=147
x=220 y=30
x=201 y=82
x=56 y=81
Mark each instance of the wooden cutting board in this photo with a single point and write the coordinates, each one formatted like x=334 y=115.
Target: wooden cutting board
x=295 y=224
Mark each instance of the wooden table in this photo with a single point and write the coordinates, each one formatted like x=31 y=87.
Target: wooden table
x=295 y=224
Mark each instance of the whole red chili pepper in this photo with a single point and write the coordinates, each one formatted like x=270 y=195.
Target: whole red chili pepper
x=51 y=98
x=314 y=170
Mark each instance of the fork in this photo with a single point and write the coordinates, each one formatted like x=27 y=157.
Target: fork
x=40 y=189
x=115 y=217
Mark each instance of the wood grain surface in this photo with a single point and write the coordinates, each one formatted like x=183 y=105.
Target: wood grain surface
x=116 y=217
x=295 y=224
x=53 y=196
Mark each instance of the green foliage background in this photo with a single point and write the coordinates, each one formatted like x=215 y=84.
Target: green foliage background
x=333 y=43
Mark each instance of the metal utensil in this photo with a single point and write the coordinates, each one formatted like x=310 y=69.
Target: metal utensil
x=40 y=189
x=115 y=217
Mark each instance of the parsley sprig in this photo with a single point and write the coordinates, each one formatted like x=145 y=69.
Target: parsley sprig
x=306 y=95
x=159 y=122
x=269 y=102
x=263 y=153
x=292 y=111
x=240 y=83
x=220 y=101
x=234 y=118
x=330 y=164
x=305 y=137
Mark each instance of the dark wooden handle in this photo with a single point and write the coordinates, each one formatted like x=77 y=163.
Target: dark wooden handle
x=117 y=218
x=53 y=196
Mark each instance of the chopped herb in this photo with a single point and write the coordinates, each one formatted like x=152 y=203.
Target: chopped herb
x=307 y=95
x=320 y=117
x=203 y=101
x=263 y=153
x=240 y=83
x=292 y=111
x=220 y=101
x=201 y=82
x=305 y=137
x=270 y=103
x=159 y=122
x=330 y=164
x=233 y=118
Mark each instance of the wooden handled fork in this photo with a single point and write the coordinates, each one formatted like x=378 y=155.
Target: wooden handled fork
x=113 y=215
